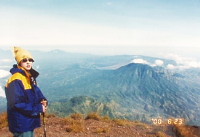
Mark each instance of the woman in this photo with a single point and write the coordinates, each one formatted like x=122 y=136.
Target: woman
x=25 y=100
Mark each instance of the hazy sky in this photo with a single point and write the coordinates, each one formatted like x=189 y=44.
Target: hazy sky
x=149 y=27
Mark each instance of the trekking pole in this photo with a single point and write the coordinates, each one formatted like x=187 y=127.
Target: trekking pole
x=44 y=125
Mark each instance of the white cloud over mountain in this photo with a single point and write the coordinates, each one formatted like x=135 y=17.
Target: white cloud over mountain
x=159 y=62
x=141 y=61
x=2 y=93
x=4 y=73
x=183 y=62
x=6 y=60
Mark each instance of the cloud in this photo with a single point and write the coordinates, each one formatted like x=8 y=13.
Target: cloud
x=2 y=93
x=5 y=67
x=5 y=60
x=170 y=66
x=4 y=73
x=141 y=61
x=57 y=29
x=183 y=62
x=157 y=62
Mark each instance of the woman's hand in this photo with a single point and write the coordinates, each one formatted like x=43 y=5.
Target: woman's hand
x=44 y=105
x=44 y=109
x=44 y=102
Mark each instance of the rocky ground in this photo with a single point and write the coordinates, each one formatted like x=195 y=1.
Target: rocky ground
x=96 y=126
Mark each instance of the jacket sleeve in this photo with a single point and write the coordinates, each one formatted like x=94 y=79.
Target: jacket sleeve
x=40 y=96
x=39 y=93
x=17 y=99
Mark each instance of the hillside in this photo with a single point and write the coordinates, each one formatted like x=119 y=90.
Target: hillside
x=134 y=91
x=94 y=125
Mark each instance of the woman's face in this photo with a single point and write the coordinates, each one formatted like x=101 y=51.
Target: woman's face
x=27 y=63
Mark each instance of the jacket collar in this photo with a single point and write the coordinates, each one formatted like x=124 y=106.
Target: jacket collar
x=16 y=68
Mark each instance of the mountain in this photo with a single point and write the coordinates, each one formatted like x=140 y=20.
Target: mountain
x=134 y=91
x=124 y=86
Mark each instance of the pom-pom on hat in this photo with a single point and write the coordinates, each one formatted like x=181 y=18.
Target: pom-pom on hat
x=21 y=54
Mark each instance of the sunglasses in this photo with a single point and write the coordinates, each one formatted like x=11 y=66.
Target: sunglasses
x=25 y=60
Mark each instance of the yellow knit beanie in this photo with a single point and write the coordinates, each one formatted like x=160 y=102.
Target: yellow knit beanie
x=21 y=54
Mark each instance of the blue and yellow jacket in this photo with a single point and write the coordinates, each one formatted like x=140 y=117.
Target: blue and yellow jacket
x=23 y=100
